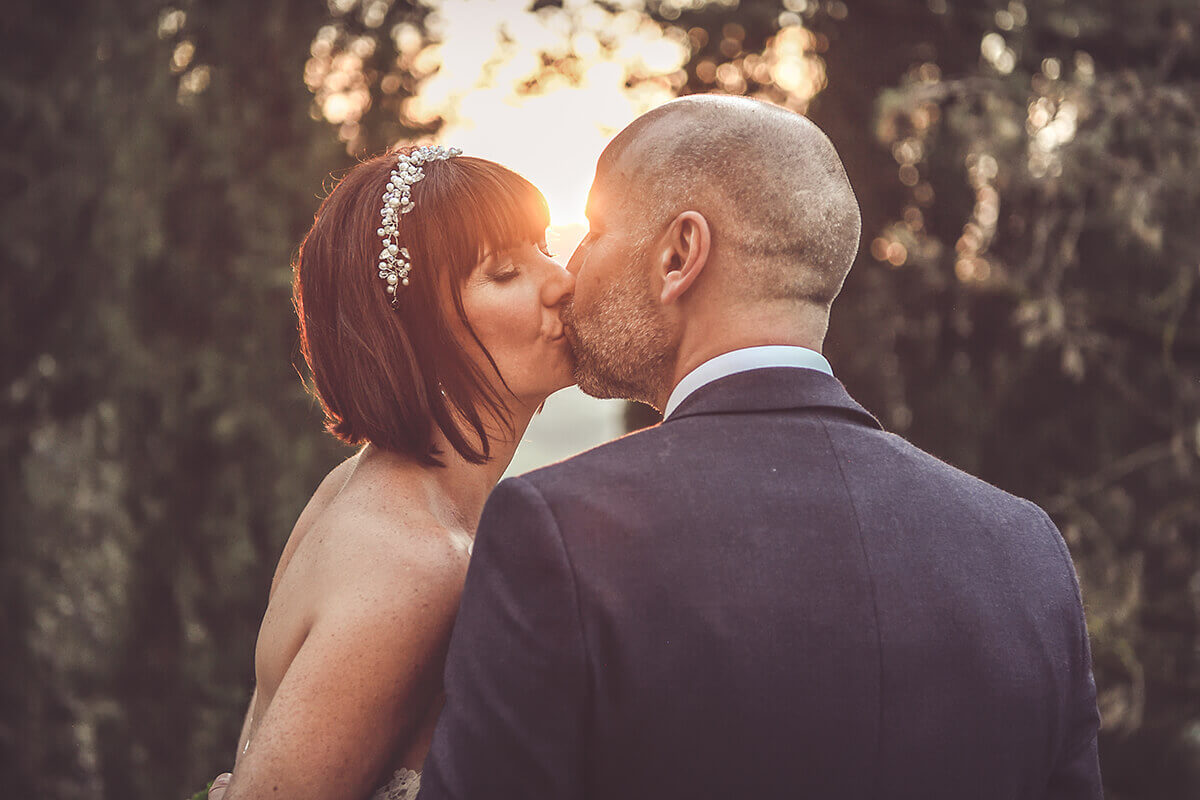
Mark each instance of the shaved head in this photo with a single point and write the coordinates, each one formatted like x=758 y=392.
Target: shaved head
x=715 y=223
x=768 y=181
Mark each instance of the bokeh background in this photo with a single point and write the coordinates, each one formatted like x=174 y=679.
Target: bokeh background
x=1025 y=305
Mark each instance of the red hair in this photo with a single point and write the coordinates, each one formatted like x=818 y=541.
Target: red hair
x=393 y=376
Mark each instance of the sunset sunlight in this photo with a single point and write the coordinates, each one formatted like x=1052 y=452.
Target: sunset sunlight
x=542 y=91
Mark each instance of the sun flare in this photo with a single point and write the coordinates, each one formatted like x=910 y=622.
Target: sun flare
x=543 y=91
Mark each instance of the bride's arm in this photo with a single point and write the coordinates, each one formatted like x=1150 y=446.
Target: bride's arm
x=360 y=683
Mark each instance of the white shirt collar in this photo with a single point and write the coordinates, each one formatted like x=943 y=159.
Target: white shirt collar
x=743 y=360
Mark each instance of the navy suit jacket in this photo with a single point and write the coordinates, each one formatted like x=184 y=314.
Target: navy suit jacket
x=766 y=596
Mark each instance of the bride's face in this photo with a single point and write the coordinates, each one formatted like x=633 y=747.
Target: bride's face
x=512 y=300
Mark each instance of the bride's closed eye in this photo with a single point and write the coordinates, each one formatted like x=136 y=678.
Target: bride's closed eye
x=505 y=272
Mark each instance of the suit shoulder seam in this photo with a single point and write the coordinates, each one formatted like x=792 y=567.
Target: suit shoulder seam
x=837 y=459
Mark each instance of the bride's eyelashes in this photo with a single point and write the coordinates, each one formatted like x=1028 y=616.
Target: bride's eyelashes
x=506 y=265
x=505 y=273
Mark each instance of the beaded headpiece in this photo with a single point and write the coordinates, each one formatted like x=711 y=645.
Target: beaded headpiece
x=394 y=265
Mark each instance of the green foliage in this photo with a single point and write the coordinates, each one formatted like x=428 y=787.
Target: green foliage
x=157 y=444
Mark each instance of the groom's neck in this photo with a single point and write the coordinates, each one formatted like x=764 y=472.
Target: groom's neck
x=706 y=336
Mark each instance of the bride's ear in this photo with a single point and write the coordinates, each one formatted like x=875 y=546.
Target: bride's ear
x=684 y=255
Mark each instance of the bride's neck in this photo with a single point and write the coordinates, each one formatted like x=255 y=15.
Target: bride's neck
x=466 y=486
x=456 y=492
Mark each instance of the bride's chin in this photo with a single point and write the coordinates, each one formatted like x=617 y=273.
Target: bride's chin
x=566 y=376
x=564 y=382
x=534 y=400
x=559 y=382
x=559 y=374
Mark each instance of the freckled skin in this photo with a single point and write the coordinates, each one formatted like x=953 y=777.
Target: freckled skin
x=352 y=646
x=352 y=643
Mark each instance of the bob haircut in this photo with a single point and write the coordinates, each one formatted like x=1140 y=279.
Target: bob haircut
x=394 y=376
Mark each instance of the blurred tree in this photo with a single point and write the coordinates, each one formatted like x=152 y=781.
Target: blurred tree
x=161 y=165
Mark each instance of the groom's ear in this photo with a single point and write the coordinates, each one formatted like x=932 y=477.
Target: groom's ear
x=688 y=244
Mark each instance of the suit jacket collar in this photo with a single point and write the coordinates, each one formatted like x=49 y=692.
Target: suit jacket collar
x=773 y=389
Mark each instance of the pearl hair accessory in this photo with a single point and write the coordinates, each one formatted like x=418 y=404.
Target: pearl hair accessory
x=394 y=265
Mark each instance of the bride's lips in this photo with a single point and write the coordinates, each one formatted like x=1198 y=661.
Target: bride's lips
x=565 y=338
x=560 y=330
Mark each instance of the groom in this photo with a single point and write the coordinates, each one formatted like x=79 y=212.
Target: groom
x=766 y=596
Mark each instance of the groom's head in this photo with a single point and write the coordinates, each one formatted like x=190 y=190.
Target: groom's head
x=715 y=223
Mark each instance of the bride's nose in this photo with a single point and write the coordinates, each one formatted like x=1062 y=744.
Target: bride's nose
x=558 y=285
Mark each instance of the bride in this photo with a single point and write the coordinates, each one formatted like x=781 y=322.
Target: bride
x=428 y=310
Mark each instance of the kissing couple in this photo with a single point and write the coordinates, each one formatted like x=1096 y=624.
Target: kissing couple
x=764 y=596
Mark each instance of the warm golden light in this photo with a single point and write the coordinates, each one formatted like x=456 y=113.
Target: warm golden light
x=543 y=91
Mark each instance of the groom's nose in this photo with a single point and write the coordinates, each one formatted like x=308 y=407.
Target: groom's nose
x=576 y=259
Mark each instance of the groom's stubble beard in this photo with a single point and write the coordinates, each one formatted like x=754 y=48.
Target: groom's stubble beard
x=622 y=344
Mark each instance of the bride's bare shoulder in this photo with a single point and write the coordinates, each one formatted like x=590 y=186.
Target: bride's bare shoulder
x=309 y=517
x=362 y=557
x=370 y=526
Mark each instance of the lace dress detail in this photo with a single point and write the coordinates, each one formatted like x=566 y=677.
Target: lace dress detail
x=404 y=785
